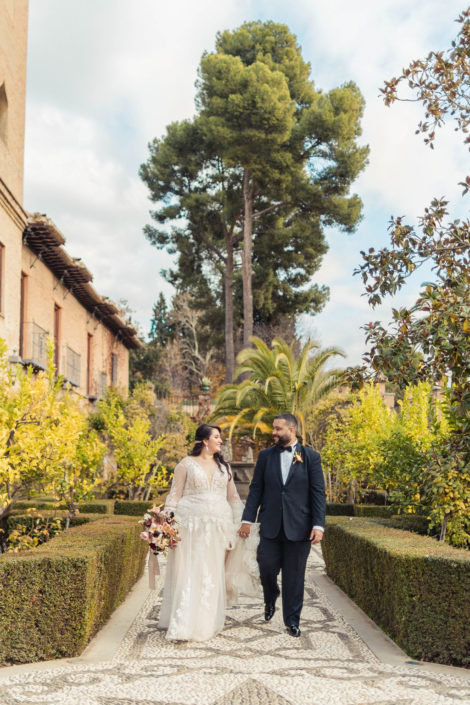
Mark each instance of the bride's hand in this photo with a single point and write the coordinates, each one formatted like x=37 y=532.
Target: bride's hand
x=244 y=531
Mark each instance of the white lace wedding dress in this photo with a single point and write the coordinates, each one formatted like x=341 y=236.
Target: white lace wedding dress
x=199 y=581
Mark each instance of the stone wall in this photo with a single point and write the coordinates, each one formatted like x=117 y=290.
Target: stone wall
x=44 y=295
x=13 y=49
x=34 y=303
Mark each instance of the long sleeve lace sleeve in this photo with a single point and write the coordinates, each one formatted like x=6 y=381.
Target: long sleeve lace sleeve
x=177 y=486
x=235 y=502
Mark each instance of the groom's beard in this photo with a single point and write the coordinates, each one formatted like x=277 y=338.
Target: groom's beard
x=282 y=441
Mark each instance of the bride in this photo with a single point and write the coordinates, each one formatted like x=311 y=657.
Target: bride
x=204 y=570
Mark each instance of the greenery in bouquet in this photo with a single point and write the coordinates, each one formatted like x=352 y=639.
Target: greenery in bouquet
x=160 y=530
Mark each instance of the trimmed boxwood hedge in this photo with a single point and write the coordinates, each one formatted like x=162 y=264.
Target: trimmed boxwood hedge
x=137 y=508
x=132 y=507
x=27 y=519
x=369 y=510
x=103 y=506
x=54 y=598
x=337 y=509
x=372 y=510
x=411 y=522
x=412 y=586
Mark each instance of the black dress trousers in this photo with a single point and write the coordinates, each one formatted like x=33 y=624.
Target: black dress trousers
x=290 y=557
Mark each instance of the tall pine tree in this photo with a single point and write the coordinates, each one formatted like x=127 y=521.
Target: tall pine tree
x=246 y=188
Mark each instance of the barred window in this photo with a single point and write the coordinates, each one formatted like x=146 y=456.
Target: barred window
x=39 y=345
x=102 y=384
x=72 y=366
x=114 y=368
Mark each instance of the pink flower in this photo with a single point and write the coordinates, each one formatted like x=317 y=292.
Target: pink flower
x=161 y=530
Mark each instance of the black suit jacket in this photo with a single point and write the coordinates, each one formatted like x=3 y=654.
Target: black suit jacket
x=298 y=506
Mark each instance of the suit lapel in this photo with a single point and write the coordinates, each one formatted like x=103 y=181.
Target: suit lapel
x=274 y=465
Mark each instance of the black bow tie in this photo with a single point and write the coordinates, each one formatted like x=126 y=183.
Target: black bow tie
x=288 y=448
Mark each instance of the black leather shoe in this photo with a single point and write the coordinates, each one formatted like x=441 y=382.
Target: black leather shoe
x=293 y=630
x=269 y=609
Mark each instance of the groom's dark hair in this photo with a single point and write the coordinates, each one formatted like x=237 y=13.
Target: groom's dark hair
x=289 y=418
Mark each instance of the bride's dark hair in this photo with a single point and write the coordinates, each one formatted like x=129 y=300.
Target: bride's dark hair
x=203 y=433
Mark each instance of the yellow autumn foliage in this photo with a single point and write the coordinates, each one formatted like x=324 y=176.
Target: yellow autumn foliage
x=45 y=443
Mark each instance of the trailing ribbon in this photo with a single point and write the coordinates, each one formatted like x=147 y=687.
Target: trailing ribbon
x=154 y=569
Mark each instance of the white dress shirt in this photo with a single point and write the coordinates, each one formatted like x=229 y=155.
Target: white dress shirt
x=287 y=456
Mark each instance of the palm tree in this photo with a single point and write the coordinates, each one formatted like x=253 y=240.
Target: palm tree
x=276 y=381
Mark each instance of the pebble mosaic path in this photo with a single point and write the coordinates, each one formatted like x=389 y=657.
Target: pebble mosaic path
x=250 y=663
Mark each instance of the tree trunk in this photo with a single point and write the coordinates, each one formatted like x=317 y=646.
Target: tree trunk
x=329 y=488
x=442 y=536
x=6 y=511
x=351 y=493
x=228 y=291
x=247 y=259
x=73 y=511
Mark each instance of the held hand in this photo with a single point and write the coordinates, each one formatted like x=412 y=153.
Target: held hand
x=316 y=536
x=244 y=531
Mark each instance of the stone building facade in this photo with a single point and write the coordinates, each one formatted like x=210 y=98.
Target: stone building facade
x=44 y=293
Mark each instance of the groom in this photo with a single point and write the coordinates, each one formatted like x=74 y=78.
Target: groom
x=289 y=490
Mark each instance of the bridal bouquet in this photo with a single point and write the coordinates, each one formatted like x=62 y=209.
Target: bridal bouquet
x=161 y=530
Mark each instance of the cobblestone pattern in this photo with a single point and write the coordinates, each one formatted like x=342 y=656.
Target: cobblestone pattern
x=249 y=663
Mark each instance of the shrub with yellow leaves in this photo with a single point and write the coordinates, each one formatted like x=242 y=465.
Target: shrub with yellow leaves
x=74 y=471
x=351 y=453
x=126 y=427
x=45 y=441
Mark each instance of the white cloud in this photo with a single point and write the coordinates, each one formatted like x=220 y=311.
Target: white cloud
x=65 y=159
x=97 y=205
x=104 y=78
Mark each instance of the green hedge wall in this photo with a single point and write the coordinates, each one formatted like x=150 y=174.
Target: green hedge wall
x=411 y=522
x=132 y=507
x=366 y=510
x=414 y=587
x=27 y=519
x=337 y=509
x=372 y=510
x=103 y=506
x=54 y=598
x=137 y=508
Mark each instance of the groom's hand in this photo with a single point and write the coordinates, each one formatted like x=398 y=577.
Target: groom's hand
x=316 y=536
x=244 y=530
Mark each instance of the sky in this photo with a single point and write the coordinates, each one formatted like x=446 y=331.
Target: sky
x=107 y=76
